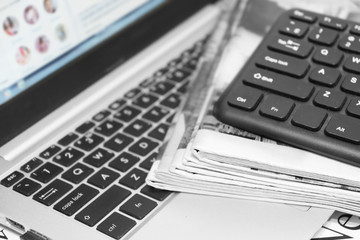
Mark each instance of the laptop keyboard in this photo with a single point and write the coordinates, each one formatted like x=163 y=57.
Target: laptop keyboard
x=97 y=172
x=301 y=86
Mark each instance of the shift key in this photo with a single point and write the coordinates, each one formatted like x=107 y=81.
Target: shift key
x=103 y=205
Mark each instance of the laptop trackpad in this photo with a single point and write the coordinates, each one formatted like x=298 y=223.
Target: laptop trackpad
x=190 y=216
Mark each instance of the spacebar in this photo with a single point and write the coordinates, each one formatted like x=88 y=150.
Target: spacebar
x=99 y=208
x=278 y=83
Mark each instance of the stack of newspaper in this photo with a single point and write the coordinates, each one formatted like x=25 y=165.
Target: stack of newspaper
x=209 y=157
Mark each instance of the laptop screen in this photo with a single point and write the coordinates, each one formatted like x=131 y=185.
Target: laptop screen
x=39 y=37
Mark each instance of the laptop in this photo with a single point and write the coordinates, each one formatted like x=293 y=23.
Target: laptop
x=88 y=90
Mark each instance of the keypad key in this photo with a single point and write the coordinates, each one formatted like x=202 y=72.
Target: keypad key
x=76 y=199
x=137 y=128
x=31 y=165
x=345 y=128
x=69 y=138
x=277 y=107
x=116 y=225
x=145 y=100
x=291 y=46
x=309 y=117
x=350 y=43
x=352 y=64
x=86 y=126
x=330 y=99
x=26 y=187
x=245 y=98
x=108 y=127
x=156 y=114
x=138 y=206
x=159 y=132
x=294 y=28
x=77 y=173
x=132 y=93
x=134 y=179
x=127 y=114
x=354 y=107
x=325 y=76
x=328 y=56
x=148 y=162
x=323 y=36
x=12 y=179
x=116 y=105
x=124 y=162
x=143 y=147
x=155 y=193
x=99 y=157
x=52 y=192
x=172 y=101
x=103 y=178
x=330 y=22
x=68 y=157
x=101 y=116
x=351 y=84
x=103 y=205
x=46 y=172
x=118 y=142
x=88 y=142
x=50 y=152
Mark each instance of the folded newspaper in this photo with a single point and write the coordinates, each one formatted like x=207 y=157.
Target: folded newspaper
x=206 y=156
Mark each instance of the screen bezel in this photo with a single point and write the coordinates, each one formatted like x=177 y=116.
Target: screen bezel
x=32 y=105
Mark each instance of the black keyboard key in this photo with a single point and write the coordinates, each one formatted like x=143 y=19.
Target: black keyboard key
x=351 y=84
x=88 y=142
x=26 y=187
x=172 y=101
x=184 y=87
x=99 y=157
x=291 y=46
x=117 y=104
x=12 y=179
x=352 y=64
x=156 y=114
x=69 y=138
x=330 y=99
x=46 y=172
x=137 y=128
x=155 y=193
x=159 y=132
x=345 y=128
x=127 y=114
x=245 y=98
x=325 y=76
x=108 y=127
x=279 y=83
x=31 y=165
x=354 y=107
x=124 y=162
x=162 y=88
x=328 y=56
x=148 y=162
x=323 y=36
x=145 y=100
x=76 y=200
x=52 y=192
x=132 y=93
x=77 y=173
x=309 y=117
x=179 y=75
x=277 y=107
x=134 y=179
x=68 y=157
x=355 y=29
x=103 y=178
x=294 y=28
x=101 y=116
x=118 y=142
x=334 y=23
x=282 y=63
x=86 y=126
x=303 y=16
x=143 y=147
x=138 y=206
x=116 y=225
x=103 y=205
x=50 y=152
x=192 y=64
x=350 y=43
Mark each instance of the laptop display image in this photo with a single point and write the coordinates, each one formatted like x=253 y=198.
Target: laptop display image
x=88 y=90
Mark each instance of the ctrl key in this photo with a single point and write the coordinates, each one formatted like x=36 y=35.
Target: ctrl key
x=116 y=225
x=245 y=98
